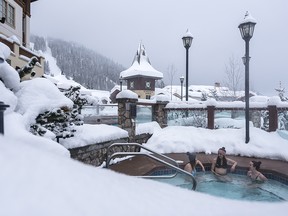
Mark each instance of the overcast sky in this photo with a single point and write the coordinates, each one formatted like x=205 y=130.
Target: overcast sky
x=115 y=29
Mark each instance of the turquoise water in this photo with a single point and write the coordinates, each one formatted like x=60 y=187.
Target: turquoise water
x=234 y=186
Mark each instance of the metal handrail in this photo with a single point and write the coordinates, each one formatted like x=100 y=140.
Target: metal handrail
x=152 y=157
x=143 y=147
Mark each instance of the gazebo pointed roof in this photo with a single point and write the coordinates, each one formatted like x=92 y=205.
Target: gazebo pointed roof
x=141 y=66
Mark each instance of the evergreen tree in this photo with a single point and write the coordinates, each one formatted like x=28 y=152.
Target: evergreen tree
x=204 y=96
x=214 y=94
x=46 y=68
x=73 y=93
x=281 y=92
x=61 y=121
x=83 y=65
x=265 y=117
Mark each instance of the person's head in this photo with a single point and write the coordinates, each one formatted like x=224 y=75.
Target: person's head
x=255 y=164
x=221 y=152
x=192 y=157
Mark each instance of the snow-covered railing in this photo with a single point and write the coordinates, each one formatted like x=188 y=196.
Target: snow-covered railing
x=207 y=109
x=100 y=109
x=227 y=105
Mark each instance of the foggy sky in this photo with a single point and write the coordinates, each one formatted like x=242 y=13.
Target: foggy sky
x=115 y=29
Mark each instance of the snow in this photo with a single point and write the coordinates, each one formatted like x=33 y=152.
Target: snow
x=148 y=128
x=4 y=51
x=248 y=18
x=39 y=178
x=275 y=100
x=197 y=91
x=9 y=76
x=183 y=139
x=188 y=34
x=93 y=134
x=127 y=94
x=272 y=101
x=37 y=96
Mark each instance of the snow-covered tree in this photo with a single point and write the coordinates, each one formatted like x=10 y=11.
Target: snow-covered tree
x=85 y=66
x=265 y=120
x=281 y=92
x=214 y=94
x=61 y=121
x=73 y=93
x=204 y=96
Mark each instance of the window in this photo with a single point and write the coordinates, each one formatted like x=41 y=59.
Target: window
x=3 y=8
x=148 y=96
x=7 y=11
x=11 y=16
x=131 y=84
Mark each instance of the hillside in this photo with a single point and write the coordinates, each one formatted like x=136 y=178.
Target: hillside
x=82 y=64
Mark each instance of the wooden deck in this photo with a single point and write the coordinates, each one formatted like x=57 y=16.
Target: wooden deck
x=141 y=165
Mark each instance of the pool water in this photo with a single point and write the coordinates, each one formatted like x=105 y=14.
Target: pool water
x=234 y=186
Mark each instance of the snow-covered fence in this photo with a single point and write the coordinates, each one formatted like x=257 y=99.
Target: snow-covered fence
x=275 y=111
x=100 y=114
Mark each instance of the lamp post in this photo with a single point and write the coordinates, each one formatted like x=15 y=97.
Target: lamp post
x=244 y=59
x=187 y=41
x=2 y=109
x=246 y=28
x=181 y=81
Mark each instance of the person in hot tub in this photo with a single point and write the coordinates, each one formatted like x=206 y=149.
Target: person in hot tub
x=221 y=162
x=193 y=161
x=254 y=172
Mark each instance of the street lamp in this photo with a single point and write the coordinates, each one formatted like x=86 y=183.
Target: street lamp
x=181 y=80
x=187 y=41
x=246 y=28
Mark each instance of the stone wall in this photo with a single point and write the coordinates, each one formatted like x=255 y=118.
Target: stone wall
x=96 y=154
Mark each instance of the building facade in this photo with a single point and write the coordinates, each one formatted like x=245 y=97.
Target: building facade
x=15 y=33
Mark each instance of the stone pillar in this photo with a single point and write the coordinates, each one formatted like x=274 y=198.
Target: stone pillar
x=158 y=114
x=210 y=116
x=127 y=115
x=273 y=118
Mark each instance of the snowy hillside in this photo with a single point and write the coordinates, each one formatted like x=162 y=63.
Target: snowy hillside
x=83 y=65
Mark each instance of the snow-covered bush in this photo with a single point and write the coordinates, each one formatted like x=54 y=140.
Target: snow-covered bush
x=8 y=75
x=61 y=120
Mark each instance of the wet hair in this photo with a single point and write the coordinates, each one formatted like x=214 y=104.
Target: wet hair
x=222 y=163
x=222 y=149
x=256 y=164
x=192 y=157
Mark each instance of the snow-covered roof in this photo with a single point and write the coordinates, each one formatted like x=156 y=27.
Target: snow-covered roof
x=141 y=66
x=195 y=91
